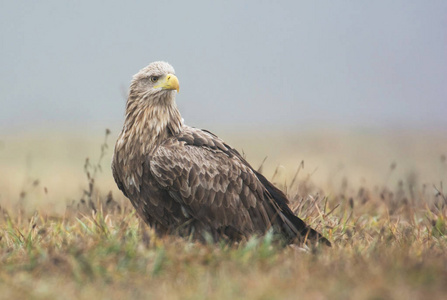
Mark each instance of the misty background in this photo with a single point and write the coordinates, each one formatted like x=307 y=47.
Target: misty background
x=285 y=65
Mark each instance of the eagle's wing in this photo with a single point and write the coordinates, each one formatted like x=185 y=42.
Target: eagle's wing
x=212 y=184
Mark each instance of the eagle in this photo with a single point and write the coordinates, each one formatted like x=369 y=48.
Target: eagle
x=188 y=182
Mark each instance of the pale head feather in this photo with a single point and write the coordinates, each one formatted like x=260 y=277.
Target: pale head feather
x=141 y=84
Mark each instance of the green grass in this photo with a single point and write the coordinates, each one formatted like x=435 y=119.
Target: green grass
x=113 y=255
x=389 y=242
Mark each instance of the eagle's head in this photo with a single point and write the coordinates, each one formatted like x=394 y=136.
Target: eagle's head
x=155 y=82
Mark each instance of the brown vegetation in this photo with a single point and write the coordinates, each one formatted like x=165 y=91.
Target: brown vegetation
x=389 y=242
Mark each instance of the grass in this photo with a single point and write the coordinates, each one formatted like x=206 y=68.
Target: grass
x=389 y=242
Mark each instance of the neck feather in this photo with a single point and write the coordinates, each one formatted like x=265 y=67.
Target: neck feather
x=150 y=121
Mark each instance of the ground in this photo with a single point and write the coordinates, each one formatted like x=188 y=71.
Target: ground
x=67 y=232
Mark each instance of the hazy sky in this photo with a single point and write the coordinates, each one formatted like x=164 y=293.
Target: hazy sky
x=266 y=64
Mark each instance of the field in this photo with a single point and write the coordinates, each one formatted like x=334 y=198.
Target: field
x=66 y=232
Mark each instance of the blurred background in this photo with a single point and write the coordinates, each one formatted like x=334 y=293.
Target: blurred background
x=350 y=88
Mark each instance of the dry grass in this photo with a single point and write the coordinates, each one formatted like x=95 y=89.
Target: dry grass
x=388 y=243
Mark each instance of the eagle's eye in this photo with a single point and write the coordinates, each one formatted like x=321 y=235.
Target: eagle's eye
x=154 y=78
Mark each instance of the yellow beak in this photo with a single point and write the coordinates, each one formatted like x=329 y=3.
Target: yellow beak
x=170 y=82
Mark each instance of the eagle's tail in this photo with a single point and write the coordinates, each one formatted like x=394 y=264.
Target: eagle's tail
x=293 y=227
x=302 y=231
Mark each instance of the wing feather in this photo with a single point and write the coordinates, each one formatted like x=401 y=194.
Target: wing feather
x=210 y=184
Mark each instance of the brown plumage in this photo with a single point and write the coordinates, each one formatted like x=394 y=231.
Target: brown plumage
x=187 y=181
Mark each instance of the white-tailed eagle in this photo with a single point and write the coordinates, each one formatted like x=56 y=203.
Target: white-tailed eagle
x=186 y=181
